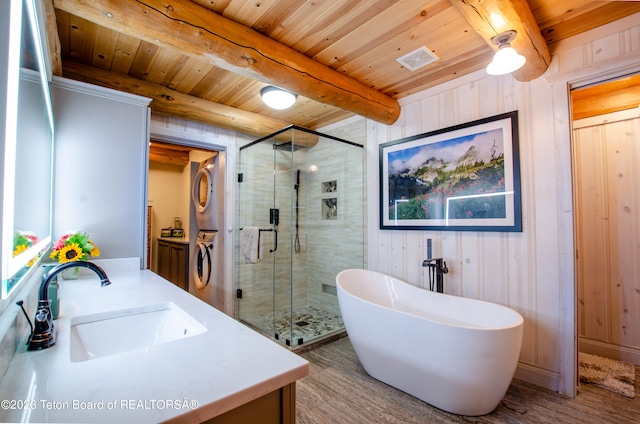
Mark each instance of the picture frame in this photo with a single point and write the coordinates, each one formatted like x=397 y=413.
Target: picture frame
x=461 y=178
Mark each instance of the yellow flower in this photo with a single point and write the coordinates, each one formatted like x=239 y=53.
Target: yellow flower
x=74 y=246
x=70 y=253
x=19 y=249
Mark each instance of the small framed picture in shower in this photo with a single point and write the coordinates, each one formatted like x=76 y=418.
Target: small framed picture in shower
x=461 y=178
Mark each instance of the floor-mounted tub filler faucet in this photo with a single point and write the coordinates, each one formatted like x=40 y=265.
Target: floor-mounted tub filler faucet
x=42 y=333
x=437 y=269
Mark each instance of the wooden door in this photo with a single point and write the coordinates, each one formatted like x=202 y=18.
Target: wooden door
x=179 y=263
x=607 y=195
x=164 y=259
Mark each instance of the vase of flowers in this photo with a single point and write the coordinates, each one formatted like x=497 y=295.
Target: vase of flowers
x=70 y=273
x=73 y=246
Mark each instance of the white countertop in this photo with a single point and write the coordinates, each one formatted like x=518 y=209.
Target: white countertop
x=180 y=240
x=225 y=367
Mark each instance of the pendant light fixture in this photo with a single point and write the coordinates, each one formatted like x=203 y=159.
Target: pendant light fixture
x=277 y=98
x=506 y=59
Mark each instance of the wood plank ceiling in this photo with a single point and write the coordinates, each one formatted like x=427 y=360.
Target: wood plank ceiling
x=155 y=48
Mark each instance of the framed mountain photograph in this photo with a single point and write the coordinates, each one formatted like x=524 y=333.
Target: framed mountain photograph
x=461 y=178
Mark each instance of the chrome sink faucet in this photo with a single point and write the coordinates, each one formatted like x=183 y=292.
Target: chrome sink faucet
x=43 y=334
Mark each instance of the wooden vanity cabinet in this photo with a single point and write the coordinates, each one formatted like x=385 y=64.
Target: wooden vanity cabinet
x=277 y=407
x=173 y=262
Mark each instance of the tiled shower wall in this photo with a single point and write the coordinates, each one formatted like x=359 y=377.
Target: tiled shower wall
x=334 y=243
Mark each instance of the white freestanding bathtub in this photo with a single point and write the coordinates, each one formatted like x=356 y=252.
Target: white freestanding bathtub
x=455 y=353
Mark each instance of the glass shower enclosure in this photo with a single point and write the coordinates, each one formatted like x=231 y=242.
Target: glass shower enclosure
x=303 y=193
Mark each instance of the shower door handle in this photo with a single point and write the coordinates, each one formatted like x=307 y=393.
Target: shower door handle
x=275 y=245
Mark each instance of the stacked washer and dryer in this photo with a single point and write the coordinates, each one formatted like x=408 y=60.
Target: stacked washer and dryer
x=205 y=272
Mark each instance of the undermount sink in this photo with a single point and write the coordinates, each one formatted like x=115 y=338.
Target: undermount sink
x=109 y=333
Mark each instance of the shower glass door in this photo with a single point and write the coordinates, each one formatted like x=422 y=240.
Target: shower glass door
x=264 y=202
x=305 y=191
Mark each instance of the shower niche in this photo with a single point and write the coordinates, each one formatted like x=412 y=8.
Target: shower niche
x=330 y=186
x=289 y=292
x=330 y=204
x=330 y=208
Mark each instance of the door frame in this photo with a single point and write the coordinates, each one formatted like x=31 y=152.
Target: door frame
x=598 y=347
x=227 y=151
x=561 y=86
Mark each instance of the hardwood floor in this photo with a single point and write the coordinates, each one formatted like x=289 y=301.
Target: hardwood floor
x=338 y=390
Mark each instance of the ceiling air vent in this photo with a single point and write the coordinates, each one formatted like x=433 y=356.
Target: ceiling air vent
x=417 y=59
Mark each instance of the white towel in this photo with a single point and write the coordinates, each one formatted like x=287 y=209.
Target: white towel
x=251 y=245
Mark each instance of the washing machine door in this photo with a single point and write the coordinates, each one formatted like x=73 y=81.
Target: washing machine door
x=202 y=190
x=202 y=264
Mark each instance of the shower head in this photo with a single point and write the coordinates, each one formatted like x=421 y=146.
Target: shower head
x=287 y=146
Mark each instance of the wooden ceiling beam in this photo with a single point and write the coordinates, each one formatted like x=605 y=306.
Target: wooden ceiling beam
x=197 y=31
x=161 y=154
x=612 y=96
x=492 y=17
x=55 y=54
x=166 y=101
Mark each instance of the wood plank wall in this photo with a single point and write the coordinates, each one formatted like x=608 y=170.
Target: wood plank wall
x=607 y=181
x=519 y=270
x=532 y=271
